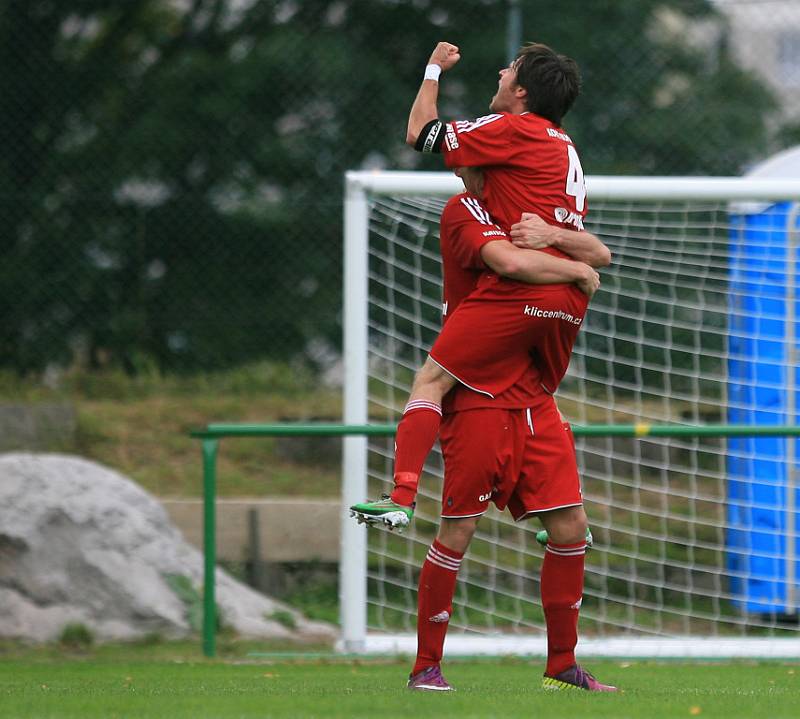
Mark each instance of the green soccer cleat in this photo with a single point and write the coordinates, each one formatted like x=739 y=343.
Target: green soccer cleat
x=541 y=537
x=576 y=677
x=384 y=511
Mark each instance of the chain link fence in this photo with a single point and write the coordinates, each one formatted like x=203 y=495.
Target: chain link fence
x=172 y=170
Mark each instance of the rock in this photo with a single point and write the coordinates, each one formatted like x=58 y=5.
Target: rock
x=80 y=543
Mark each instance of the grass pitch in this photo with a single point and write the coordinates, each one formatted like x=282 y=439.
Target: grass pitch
x=111 y=686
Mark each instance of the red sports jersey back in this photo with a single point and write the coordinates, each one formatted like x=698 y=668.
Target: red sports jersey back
x=465 y=227
x=529 y=165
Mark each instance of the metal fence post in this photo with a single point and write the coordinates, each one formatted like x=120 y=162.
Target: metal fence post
x=210 y=447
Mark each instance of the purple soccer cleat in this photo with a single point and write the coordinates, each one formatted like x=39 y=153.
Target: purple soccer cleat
x=575 y=678
x=429 y=680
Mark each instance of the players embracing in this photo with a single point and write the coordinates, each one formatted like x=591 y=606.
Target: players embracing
x=507 y=343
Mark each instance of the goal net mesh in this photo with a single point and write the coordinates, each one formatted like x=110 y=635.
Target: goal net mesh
x=694 y=324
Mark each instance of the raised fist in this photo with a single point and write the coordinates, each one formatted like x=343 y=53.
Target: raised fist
x=445 y=56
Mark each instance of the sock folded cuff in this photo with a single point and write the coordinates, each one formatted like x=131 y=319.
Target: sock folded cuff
x=405 y=488
x=444 y=556
x=566 y=550
x=422 y=404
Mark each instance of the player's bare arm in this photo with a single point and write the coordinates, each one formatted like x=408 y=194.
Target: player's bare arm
x=424 y=111
x=538 y=268
x=533 y=233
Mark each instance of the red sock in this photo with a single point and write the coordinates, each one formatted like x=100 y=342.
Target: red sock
x=416 y=434
x=437 y=584
x=562 y=590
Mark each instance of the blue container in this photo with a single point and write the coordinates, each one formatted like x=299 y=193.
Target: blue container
x=761 y=387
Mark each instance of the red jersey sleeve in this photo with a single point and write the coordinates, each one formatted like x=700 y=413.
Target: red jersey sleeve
x=487 y=140
x=467 y=227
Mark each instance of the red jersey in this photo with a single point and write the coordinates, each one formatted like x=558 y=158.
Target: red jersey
x=529 y=165
x=465 y=227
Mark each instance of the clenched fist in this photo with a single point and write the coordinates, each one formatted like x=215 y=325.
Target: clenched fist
x=445 y=56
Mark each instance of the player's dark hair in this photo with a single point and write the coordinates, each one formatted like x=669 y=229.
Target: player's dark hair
x=552 y=81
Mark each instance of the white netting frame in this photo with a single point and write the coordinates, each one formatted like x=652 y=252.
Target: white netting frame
x=394 y=563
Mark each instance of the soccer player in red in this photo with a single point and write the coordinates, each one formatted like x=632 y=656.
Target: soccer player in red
x=487 y=344
x=530 y=470
x=516 y=451
x=494 y=358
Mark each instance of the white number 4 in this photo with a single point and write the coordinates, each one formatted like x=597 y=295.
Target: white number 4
x=576 y=185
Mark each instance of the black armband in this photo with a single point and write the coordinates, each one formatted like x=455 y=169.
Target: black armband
x=430 y=137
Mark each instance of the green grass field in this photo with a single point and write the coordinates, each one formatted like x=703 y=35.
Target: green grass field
x=111 y=684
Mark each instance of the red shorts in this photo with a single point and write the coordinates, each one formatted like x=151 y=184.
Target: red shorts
x=488 y=342
x=520 y=458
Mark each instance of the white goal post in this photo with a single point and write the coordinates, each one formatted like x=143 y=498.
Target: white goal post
x=695 y=323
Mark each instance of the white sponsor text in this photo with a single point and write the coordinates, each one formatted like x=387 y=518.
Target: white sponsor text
x=532 y=311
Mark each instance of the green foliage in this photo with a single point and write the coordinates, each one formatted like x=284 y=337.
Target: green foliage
x=192 y=600
x=171 y=181
x=318 y=598
x=265 y=378
x=283 y=618
x=652 y=103
x=76 y=636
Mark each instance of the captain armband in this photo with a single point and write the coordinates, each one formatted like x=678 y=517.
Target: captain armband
x=430 y=137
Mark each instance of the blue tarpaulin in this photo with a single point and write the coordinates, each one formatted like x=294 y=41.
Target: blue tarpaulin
x=762 y=390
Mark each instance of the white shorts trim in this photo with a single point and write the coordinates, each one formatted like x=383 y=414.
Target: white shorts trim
x=547 y=509
x=460 y=381
x=462 y=516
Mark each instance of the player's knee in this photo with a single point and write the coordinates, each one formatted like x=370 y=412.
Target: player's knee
x=431 y=379
x=566 y=526
x=578 y=529
x=456 y=534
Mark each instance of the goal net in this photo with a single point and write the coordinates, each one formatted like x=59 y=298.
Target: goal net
x=695 y=535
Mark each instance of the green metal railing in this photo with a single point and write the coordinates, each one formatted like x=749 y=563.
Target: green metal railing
x=213 y=433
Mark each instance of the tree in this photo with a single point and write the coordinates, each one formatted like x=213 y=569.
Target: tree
x=172 y=187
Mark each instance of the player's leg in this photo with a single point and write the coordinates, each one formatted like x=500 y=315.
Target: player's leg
x=562 y=584
x=565 y=526
x=550 y=489
x=416 y=434
x=437 y=584
x=418 y=429
x=474 y=455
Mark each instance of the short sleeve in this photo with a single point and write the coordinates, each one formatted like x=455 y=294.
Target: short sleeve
x=468 y=227
x=484 y=141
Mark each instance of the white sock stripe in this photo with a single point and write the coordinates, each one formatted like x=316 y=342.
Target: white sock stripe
x=443 y=555
x=565 y=547
x=561 y=550
x=435 y=553
x=455 y=563
x=571 y=552
x=423 y=404
x=441 y=564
